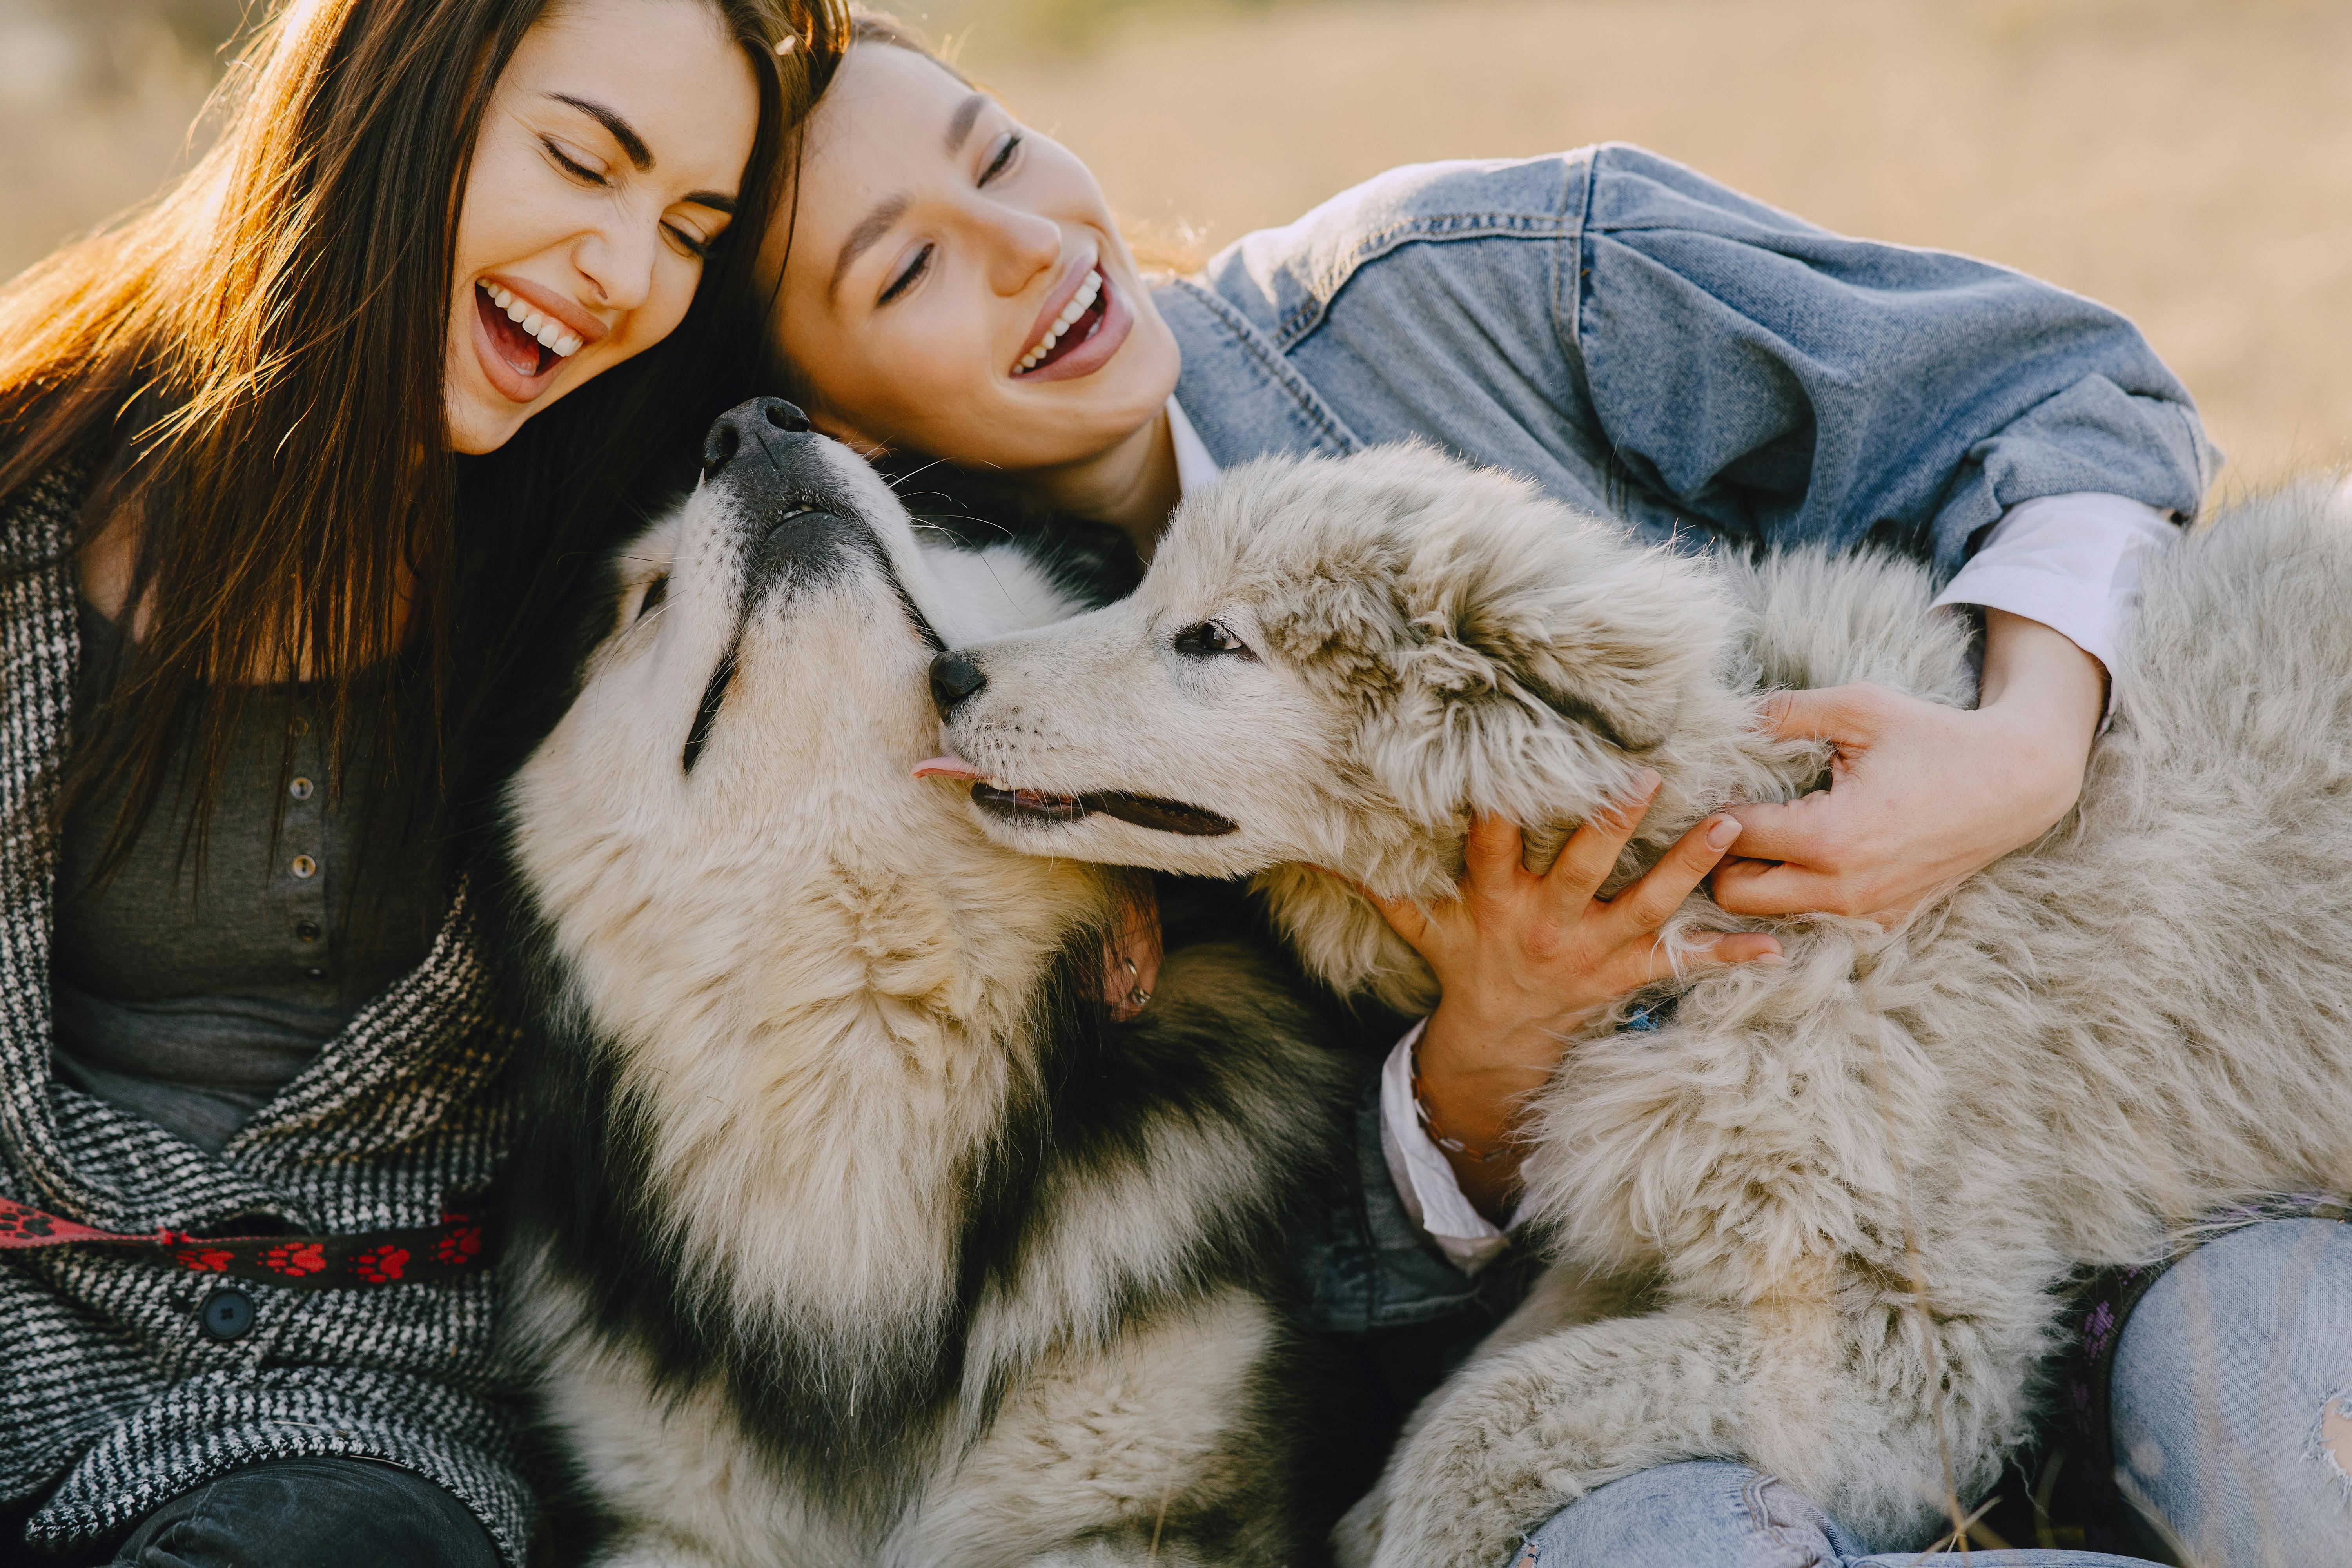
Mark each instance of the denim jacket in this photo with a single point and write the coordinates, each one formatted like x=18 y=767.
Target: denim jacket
x=1644 y=344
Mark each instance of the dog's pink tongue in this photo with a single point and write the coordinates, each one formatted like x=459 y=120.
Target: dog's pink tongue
x=946 y=768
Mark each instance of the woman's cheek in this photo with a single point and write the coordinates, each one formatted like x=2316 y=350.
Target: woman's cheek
x=672 y=297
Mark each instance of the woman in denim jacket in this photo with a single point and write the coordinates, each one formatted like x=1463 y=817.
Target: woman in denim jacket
x=1644 y=344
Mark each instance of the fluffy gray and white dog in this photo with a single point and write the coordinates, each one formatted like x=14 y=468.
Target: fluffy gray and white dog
x=852 y=1229
x=1841 y=1192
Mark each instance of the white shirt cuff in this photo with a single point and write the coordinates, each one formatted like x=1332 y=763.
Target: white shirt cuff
x=2070 y=561
x=1423 y=1179
x=1195 y=470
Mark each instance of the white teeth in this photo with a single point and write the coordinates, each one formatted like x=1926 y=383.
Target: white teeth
x=1080 y=303
x=552 y=334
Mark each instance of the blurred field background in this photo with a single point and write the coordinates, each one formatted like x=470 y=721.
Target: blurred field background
x=2188 y=162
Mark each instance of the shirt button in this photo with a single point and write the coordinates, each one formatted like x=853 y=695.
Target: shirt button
x=305 y=867
x=227 y=1313
x=308 y=930
x=301 y=789
x=317 y=974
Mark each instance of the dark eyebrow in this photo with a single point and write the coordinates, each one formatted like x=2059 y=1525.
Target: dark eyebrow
x=621 y=130
x=871 y=227
x=960 y=123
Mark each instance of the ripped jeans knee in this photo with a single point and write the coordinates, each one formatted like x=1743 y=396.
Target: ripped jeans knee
x=2231 y=1399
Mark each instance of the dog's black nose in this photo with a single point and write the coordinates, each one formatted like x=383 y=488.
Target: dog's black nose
x=744 y=422
x=954 y=679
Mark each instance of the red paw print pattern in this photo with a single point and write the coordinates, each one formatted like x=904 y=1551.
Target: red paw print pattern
x=458 y=1245
x=205 y=1260
x=380 y=1264
x=296 y=1259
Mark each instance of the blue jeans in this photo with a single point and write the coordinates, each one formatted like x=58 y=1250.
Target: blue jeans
x=2231 y=1403
x=2232 y=1410
x=1708 y=1514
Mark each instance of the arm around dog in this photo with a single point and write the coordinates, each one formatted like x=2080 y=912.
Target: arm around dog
x=1792 y=386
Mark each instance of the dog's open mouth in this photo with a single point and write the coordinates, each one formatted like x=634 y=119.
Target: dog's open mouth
x=1038 y=805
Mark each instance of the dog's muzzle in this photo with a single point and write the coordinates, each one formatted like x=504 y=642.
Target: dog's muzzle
x=766 y=458
x=957 y=676
x=798 y=529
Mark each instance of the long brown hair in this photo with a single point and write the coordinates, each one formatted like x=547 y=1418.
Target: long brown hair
x=253 y=365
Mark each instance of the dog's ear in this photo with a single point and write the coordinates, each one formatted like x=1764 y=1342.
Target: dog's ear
x=1546 y=657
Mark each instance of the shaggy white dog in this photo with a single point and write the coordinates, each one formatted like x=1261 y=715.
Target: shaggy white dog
x=853 y=1232
x=1846 y=1190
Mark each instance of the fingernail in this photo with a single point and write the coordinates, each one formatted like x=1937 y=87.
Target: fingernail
x=1771 y=960
x=1722 y=833
x=1647 y=782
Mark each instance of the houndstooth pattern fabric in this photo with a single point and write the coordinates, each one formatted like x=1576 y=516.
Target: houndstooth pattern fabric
x=114 y=1399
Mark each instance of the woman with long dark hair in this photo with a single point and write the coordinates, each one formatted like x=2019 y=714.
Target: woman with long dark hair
x=291 y=462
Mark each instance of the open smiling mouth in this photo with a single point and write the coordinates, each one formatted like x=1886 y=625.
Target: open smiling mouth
x=1038 y=805
x=527 y=355
x=1080 y=320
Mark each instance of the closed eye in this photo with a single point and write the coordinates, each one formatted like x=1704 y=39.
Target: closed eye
x=1004 y=159
x=908 y=278
x=693 y=244
x=1208 y=641
x=656 y=592
x=572 y=165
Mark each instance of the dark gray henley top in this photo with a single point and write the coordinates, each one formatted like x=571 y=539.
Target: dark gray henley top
x=192 y=999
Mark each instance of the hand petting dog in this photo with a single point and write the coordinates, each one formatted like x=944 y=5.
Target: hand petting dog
x=1921 y=794
x=1523 y=961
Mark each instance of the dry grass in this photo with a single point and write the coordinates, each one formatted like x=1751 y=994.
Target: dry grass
x=2187 y=161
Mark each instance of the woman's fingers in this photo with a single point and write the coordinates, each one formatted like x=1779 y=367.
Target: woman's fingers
x=1591 y=851
x=1810 y=830
x=1747 y=887
x=1491 y=855
x=1710 y=952
x=1733 y=947
x=1849 y=715
x=1404 y=916
x=1652 y=901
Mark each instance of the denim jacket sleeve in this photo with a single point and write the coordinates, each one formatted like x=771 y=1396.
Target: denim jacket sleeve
x=1362 y=1262
x=1787 y=383
x=1638 y=338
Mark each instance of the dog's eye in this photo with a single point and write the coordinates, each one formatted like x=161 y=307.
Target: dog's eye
x=656 y=592
x=1209 y=637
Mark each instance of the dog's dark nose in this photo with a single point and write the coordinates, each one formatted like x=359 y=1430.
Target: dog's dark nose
x=954 y=679
x=743 y=422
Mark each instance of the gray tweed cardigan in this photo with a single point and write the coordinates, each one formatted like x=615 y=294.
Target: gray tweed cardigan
x=113 y=1399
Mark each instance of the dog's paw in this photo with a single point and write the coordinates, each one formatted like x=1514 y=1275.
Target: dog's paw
x=1493 y=1461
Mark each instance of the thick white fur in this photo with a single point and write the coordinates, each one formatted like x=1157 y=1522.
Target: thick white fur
x=1846 y=1188
x=820 y=976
